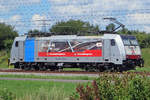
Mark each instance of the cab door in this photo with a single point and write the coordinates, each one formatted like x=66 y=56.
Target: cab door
x=21 y=50
x=107 y=50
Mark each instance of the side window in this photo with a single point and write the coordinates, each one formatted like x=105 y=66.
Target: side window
x=113 y=43
x=83 y=46
x=16 y=44
x=44 y=46
x=60 y=47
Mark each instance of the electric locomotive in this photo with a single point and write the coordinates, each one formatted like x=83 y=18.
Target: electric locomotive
x=110 y=51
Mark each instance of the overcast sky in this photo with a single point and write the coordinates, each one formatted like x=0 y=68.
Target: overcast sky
x=26 y=14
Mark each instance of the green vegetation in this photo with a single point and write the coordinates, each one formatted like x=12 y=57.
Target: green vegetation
x=33 y=90
x=5 y=94
x=73 y=69
x=45 y=94
x=106 y=87
x=144 y=69
x=50 y=77
x=146 y=56
x=3 y=59
x=7 y=35
x=112 y=87
x=74 y=27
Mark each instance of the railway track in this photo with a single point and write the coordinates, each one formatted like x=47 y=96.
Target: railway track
x=78 y=73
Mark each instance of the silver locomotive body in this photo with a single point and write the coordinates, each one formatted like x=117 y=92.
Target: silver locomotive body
x=88 y=52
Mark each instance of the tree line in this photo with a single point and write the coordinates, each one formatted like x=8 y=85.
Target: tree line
x=7 y=35
x=71 y=27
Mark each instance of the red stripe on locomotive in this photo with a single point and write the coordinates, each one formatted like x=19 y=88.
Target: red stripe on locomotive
x=133 y=56
x=87 y=53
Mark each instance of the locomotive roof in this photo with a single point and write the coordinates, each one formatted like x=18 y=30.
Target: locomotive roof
x=21 y=38
x=67 y=37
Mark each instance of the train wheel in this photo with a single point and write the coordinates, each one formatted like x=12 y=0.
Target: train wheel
x=101 y=69
x=22 y=67
x=86 y=69
x=32 y=68
x=43 y=68
x=36 y=68
x=16 y=65
x=27 y=68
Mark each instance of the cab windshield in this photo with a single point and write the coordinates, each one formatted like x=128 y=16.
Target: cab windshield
x=129 y=40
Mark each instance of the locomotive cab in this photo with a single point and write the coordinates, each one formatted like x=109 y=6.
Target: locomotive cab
x=132 y=51
x=17 y=51
x=122 y=50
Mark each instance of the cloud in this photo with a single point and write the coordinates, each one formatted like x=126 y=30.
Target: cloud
x=138 y=18
x=146 y=29
x=69 y=2
x=71 y=10
x=138 y=21
x=87 y=10
x=13 y=4
x=119 y=4
x=69 y=6
x=59 y=1
x=15 y=21
x=29 y=1
x=37 y=21
x=11 y=20
x=15 y=18
x=3 y=8
x=92 y=8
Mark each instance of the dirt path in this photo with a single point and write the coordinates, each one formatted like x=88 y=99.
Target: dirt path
x=49 y=80
x=48 y=74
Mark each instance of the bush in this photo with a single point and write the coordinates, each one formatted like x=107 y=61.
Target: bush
x=6 y=95
x=115 y=87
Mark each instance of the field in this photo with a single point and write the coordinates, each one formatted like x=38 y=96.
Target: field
x=43 y=90
x=3 y=59
x=146 y=56
x=105 y=87
x=51 y=77
x=25 y=89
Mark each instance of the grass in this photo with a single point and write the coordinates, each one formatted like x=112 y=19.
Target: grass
x=45 y=94
x=24 y=89
x=146 y=56
x=144 y=69
x=3 y=59
x=50 y=77
x=73 y=69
